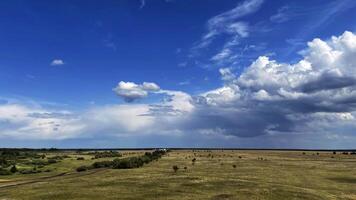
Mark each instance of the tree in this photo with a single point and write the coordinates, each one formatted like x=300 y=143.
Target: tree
x=175 y=168
x=13 y=169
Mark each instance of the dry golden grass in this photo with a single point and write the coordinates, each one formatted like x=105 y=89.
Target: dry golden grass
x=257 y=175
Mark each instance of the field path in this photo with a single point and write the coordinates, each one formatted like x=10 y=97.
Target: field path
x=49 y=178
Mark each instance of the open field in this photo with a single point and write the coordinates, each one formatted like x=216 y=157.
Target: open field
x=217 y=174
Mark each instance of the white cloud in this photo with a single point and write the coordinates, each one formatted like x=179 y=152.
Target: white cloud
x=315 y=97
x=118 y=119
x=226 y=23
x=143 y=3
x=283 y=14
x=130 y=91
x=29 y=122
x=150 y=86
x=226 y=74
x=224 y=54
x=57 y=62
x=187 y=82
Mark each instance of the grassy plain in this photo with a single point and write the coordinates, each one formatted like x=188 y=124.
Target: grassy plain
x=216 y=174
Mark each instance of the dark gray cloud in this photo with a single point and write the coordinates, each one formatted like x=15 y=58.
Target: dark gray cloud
x=328 y=81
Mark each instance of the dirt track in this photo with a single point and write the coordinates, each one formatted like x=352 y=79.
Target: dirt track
x=49 y=178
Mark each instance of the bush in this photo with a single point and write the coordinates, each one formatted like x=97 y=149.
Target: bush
x=51 y=161
x=131 y=162
x=3 y=162
x=80 y=158
x=82 y=169
x=234 y=166
x=38 y=162
x=30 y=171
x=175 y=168
x=107 y=154
x=102 y=164
x=4 y=172
x=128 y=163
x=193 y=161
x=13 y=169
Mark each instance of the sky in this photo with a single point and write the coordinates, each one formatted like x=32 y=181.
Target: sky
x=178 y=73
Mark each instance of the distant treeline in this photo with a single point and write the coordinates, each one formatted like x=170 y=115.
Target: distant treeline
x=126 y=163
x=105 y=154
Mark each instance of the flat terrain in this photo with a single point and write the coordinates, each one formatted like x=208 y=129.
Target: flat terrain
x=214 y=175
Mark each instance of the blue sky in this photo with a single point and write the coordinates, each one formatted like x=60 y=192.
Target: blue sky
x=202 y=73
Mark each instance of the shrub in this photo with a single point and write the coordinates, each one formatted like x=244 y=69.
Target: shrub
x=185 y=168
x=51 y=161
x=128 y=163
x=82 y=169
x=29 y=171
x=4 y=172
x=234 y=166
x=13 y=169
x=38 y=162
x=80 y=158
x=131 y=162
x=175 y=168
x=103 y=164
x=3 y=162
x=106 y=154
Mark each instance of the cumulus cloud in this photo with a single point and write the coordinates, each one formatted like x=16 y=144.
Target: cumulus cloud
x=33 y=122
x=315 y=96
x=268 y=95
x=271 y=98
x=57 y=62
x=130 y=91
